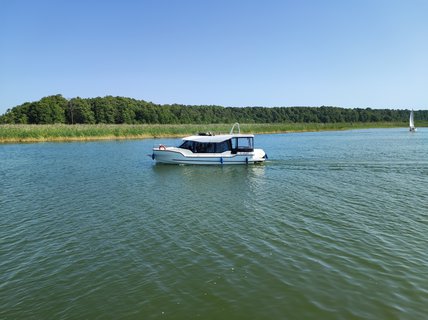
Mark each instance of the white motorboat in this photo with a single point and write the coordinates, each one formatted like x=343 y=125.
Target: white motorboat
x=412 y=122
x=208 y=148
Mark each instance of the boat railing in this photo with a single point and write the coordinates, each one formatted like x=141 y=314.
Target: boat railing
x=233 y=127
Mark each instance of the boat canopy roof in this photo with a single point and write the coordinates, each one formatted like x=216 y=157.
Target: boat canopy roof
x=218 y=138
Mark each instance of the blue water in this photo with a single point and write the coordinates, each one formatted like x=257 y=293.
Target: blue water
x=334 y=226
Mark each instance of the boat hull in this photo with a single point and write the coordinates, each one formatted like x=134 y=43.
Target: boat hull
x=173 y=155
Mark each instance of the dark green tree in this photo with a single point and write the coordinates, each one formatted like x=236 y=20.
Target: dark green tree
x=79 y=111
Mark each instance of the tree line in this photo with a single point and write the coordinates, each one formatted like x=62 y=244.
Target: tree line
x=121 y=110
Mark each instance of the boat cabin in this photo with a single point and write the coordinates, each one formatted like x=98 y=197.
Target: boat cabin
x=219 y=144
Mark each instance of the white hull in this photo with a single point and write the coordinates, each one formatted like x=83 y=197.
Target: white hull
x=173 y=155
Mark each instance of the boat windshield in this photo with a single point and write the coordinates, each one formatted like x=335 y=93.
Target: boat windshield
x=187 y=145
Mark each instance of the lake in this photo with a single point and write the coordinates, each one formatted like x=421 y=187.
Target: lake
x=334 y=226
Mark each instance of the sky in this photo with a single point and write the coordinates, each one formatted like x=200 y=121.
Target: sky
x=353 y=53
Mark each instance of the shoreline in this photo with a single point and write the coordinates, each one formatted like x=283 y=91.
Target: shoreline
x=10 y=134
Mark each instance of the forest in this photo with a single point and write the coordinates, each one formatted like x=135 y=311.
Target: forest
x=56 y=109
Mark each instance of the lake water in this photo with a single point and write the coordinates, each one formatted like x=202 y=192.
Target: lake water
x=334 y=226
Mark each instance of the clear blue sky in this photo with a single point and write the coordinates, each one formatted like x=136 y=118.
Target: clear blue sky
x=347 y=53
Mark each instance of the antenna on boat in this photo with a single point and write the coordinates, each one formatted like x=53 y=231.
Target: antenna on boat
x=235 y=124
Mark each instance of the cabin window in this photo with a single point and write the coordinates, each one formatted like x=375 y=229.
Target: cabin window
x=222 y=146
x=206 y=147
x=200 y=147
x=245 y=144
x=210 y=147
x=235 y=144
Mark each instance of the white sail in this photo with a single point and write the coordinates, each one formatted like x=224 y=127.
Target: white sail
x=412 y=122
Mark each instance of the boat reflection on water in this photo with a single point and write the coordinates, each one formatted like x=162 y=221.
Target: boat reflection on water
x=202 y=179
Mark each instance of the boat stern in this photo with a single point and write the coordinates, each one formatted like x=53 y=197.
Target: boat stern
x=259 y=155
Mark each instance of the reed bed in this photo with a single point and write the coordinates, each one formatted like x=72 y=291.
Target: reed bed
x=62 y=132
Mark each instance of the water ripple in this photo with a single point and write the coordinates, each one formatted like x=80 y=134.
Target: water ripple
x=334 y=227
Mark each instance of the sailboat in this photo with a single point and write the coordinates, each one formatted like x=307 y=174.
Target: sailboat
x=412 y=123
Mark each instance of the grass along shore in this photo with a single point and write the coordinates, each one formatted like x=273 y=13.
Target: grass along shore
x=62 y=132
